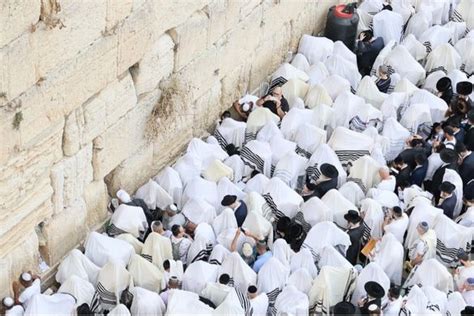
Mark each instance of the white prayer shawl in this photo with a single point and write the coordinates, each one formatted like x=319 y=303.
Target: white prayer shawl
x=455 y=304
x=231 y=131
x=387 y=184
x=463 y=12
x=294 y=89
x=352 y=192
x=384 y=197
x=346 y=106
x=434 y=37
x=308 y=137
x=145 y=274
x=391 y=105
x=119 y=310
x=218 y=254
x=325 y=154
x=282 y=251
x=338 y=65
x=224 y=221
x=290 y=168
x=382 y=56
x=431 y=81
x=217 y=170
x=457 y=76
x=368 y=90
x=388 y=25
x=257 y=184
x=458 y=30
x=146 y=302
x=226 y=187
x=439 y=9
x=405 y=65
x=465 y=48
x=55 y=304
x=238 y=167
x=421 y=213
x=132 y=240
x=289 y=72
x=291 y=301
x=292 y=121
x=417 y=118
x=365 y=19
x=176 y=269
x=303 y=260
x=240 y=272
x=398 y=227
x=198 y=274
x=325 y=234
x=280 y=147
x=414 y=47
x=324 y=117
x=205 y=231
x=331 y=286
x=365 y=116
x=317 y=73
x=335 y=85
x=273 y=275
x=405 y=86
x=314 y=211
x=416 y=303
x=315 y=48
x=81 y=289
x=339 y=205
x=451 y=238
x=300 y=62
x=431 y=272
x=437 y=300
x=438 y=106
x=444 y=57
x=260 y=305
x=157 y=249
x=230 y=306
x=101 y=249
x=389 y=255
x=301 y=279
x=203 y=189
x=371 y=6
x=204 y=152
x=212 y=140
x=268 y=131
x=258 y=118
x=188 y=168
x=154 y=195
x=200 y=249
x=404 y=8
x=373 y=216
x=77 y=264
x=371 y=272
x=453 y=177
x=130 y=219
x=418 y=24
x=366 y=170
x=259 y=226
x=258 y=155
x=317 y=95
x=382 y=143
x=414 y=191
x=467 y=218
x=349 y=145
x=329 y=256
x=199 y=211
x=340 y=49
x=286 y=200
x=182 y=302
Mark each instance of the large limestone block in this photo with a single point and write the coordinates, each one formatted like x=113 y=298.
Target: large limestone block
x=121 y=140
x=96 y=199
x=97 y=114
x=191 y=38
x=69 y=178
x=234 y=85
x=117 y=11
x=16 y=17
x=155 y=65
x=206 y=109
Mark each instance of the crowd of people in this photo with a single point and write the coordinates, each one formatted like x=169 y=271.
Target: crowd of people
x=345 y=188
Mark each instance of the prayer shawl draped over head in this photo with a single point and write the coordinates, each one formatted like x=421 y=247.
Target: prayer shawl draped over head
x=438 y=106
x=132 y=240
x=81 y=289
x=396 y=134
x=317 y=95
x=293 y=90
x=258 y=119
x=188 y=168
x=292 y=121
x=451 y=238
x=368 y=90
x=181 y=302
x=257 y=184
x=416 y=303
x=217 y=170
x=145 y=274
x=281 y=200
x=119 y=310
x=308 y=137
x=230 y=131
x=336 y=85
x=434 y=37
x=329 y=256
x=224 y=221
x=315 y=49
x=269 y=131
x=300 y=62
x=346 y=106
x=338 y=65
x=113 y=280
x=258 y=155
x=452 y=176
x=154 y=195
x=272 y=278
x=301 y=279
x=325 y=234
x=403 y=63
x=444 y=57
x=289 y=72
x=349 y=145
x=282 y=251
x=388 y=25
x=200 y=249
x=339 y=205
x=157 y=249
x=280 y=147
x=205 y=153
x=218 y=254
x=365 y=172
x=198 y=274
x=324 y=154
x=465 y=48
x=231 y=305
x=312 y=212
x=291 y=301
x=199 y=188
x=127 y=219
x=389 y=255
x=431 y=272
x=226 y=187
x=437 y=300
x=290 y=168
x=146 y=302
x=101 y=249
x=324 y=117
x=414 y=47
x=238 y=167
x=455 y=304
x=373 y=217
x=371 y=272
x=259 y=226
x=421 y=213
x=170 y=181
x=331 y=286
x=303 y=260
x=241 y=274
x=77 y=264
x=55 y=304
x=199 y=211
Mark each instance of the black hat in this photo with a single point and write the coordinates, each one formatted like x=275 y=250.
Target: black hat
x=228 y=200
x=397 y=210
x=252 y=289
x=224 y=278
x=283 y=224
x=469 y=191
x=394 y=291
x=464 y=88
x=374 y=289
x=231 y=150
x=443 y=84
x=344 y=308
x=329 y=170
x=470 y=115
x=310 y=185
x=352 y=216
x=448 y=155
x=447 y=187
x=468 y=310
x=296 y=231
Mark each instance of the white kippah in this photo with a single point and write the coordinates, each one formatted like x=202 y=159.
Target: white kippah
x=123 y=196
x=8 y=301
x=246 y=107
x=247 y=250
x=25 y=276
x=173 y=208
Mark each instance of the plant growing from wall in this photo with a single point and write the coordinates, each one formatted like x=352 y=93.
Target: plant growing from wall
x=17 y=119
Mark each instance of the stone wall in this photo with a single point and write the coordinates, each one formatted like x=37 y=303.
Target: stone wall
x=100 y=94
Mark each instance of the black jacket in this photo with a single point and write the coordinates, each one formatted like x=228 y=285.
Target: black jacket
x=466 y=169
x=448 y=206
x=438 y=179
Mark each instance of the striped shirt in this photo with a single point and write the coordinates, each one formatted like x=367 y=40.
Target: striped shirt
x=383 y=84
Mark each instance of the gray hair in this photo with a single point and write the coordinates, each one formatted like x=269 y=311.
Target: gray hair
x=155 y=225
x=383 y=69
x=424 y=226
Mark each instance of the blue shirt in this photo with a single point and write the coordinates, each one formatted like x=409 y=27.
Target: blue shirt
x=261 y=260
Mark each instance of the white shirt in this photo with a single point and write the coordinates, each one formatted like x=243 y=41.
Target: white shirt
x=469 y=297
x=387 y=184
x=398 y=227
x=16 y=310
x=260 y=305
x=434 y=162
x=29 y=292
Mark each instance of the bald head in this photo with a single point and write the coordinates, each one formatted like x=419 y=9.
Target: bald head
x=384 y=172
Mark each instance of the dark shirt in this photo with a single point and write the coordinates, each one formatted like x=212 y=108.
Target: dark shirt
x=271 y=105
x=364 y=310
x=459 y=135
x=466 y=169
x=402 y=177
x=418 y=175
x=409 y=154
x=383 y=84
x=367 y=52
x=438 y=179
x=469 y=138
x=448 y=206
x=241 y=213
x=355 y=234
x=447 y=96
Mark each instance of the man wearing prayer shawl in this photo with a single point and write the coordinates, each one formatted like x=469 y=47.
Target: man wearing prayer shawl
x=375 y=293
x=465 y=271
x=157 y=248
x=468 y=291
x=396 y=223
x=462 y=103
x=449 y=158
x=172 y=217
x=356 y=233
x=180 y=243
x=259 y=301
x=10 y=308
x=466 y=167
x=216 y=292
x=387 y=181
x=425 y=247
x=275 y=102
x=239 y=207
x=31 y=284
x=327 y=181
x=367 y=50
x=448 y=198
x=394 y=302
x=445 y=89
